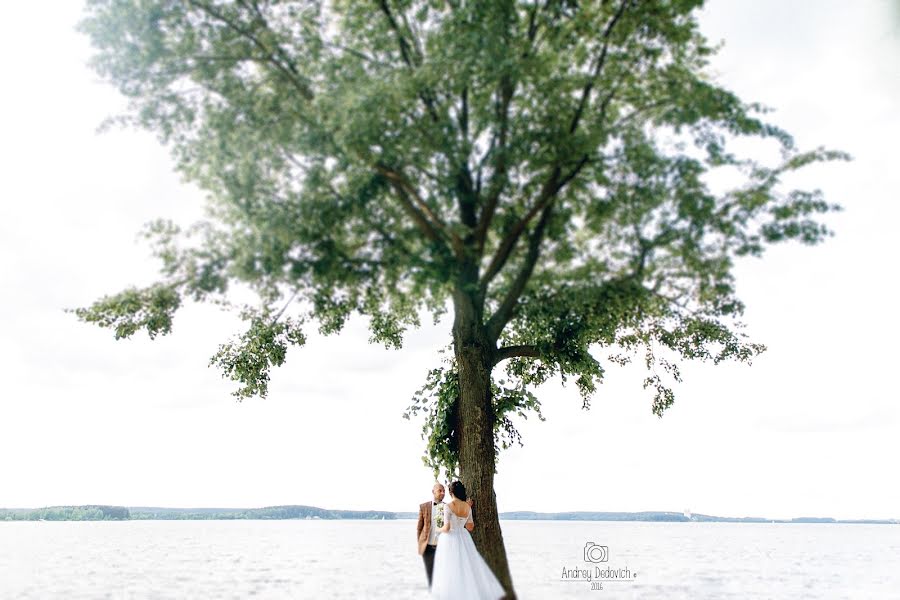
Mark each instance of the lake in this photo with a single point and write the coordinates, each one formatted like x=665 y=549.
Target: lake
x=378 y=559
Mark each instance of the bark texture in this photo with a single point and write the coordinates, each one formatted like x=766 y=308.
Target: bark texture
x=477 y=455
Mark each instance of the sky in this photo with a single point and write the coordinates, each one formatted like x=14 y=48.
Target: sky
x=812 y=428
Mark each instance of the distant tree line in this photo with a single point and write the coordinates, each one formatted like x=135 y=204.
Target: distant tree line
x=118 y=513
x=67 y=513
x=269 y=512
x=121 y=513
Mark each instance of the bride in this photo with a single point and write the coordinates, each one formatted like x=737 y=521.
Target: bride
x=459 y=571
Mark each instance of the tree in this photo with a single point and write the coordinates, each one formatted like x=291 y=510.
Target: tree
x=540 y=168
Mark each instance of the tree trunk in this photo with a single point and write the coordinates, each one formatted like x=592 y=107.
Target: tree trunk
x=474 y=356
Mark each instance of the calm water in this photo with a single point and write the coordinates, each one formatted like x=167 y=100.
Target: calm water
x=377 y=559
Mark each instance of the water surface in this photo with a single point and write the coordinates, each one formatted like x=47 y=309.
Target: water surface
x=378 y=559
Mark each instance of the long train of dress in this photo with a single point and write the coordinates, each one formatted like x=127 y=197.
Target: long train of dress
x=460 y=572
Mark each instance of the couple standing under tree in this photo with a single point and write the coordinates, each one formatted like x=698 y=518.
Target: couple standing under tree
x=455 y=569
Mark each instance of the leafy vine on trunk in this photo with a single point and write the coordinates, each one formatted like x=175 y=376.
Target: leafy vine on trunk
x=438 y=402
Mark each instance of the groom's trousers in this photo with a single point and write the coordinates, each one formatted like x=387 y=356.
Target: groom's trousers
x=428 y=558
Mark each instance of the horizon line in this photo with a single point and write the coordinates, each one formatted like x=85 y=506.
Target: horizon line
x=539 y=512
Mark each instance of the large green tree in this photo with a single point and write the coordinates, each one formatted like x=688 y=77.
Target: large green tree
x=541 y=168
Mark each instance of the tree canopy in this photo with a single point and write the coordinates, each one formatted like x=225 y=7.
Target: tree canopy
x=551 y=162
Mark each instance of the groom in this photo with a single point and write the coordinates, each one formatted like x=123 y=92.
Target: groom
x=427 y=527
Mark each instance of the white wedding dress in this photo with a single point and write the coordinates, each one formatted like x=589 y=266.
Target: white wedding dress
x=460 y=572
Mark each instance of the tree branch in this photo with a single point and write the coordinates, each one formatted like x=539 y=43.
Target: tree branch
x=467 y=190
x=601 y=60
x=509 y=242
x=401 y=39
x=428 y=226
x=554 y=185
x=551 y=188
x=637 y=111
x=525 y=350
x=464 y=114
x=405 y=52
x=466 y=195
x=425 y=218
x=386 y=237
x=286 y=68
x=498 y=177
x=354 y=52
x=533 y=27
x=504 y=313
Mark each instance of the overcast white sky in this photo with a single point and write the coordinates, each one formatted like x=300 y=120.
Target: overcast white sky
x=811 y=429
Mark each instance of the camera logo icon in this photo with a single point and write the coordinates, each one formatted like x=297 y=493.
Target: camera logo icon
x=595 y=554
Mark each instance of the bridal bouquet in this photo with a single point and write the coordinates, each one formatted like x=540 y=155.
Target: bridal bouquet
x=439 y=518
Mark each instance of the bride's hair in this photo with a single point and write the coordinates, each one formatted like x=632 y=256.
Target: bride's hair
x=458 y=490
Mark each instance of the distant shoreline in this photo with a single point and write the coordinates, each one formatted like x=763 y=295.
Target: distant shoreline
x=98 y=512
